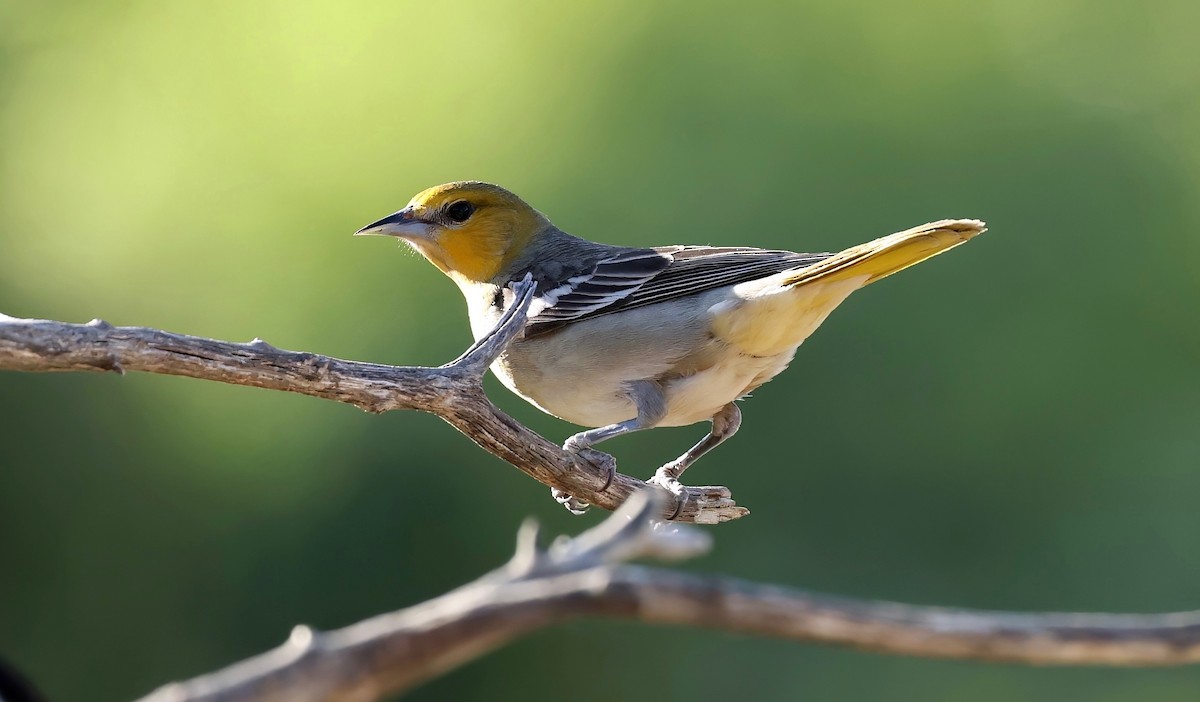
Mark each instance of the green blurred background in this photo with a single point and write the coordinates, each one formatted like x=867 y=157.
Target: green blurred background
x=1013 y=425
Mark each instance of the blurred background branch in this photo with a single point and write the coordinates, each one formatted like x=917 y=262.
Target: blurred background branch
x=585 y=576
x=454 y=392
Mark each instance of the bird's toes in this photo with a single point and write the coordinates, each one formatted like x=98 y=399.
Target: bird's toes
x=573 y=504
x=666 y=479
x=707 y=504
x=599 y=459
x=604 y=462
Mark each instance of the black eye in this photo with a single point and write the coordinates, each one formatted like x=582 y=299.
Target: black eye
x=460 y=211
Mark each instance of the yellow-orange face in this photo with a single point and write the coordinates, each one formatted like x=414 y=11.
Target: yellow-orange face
x=468 y=229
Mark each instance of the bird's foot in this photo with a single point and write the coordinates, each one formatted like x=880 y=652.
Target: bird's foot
x=601 y=460
x=667 y=478
x=701 y=504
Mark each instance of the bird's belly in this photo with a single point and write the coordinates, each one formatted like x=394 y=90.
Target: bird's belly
x=594 y=393
x=697 y=397
x=583 y=372
x=589 y=387
x=590 y=397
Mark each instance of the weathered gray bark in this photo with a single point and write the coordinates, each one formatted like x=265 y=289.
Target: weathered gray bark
x=454 y=392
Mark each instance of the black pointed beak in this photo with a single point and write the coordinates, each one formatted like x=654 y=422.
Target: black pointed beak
x=395 y=224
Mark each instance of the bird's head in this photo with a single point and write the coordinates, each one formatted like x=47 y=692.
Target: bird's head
x=470 y=230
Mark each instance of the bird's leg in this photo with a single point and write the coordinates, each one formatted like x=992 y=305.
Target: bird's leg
x=651 y=404
x=587 y=439
x=725 y=424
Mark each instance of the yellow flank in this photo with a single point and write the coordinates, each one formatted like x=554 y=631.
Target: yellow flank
x=774 y=315
x=766 y=319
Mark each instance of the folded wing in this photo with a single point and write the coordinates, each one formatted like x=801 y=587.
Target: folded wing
x=640 y=277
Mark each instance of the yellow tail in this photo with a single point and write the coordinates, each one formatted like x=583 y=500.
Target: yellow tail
x=887 y=255
x=774 y=315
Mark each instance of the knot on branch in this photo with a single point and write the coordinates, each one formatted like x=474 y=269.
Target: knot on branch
x=259 y=344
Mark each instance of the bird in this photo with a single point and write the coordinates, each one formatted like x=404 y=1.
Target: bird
x=623 y=339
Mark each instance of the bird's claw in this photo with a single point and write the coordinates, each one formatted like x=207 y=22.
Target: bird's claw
x=604 y=462
x=597 y=458
x=573 y=504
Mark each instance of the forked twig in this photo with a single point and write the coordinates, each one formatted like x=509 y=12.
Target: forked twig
x=454 y=392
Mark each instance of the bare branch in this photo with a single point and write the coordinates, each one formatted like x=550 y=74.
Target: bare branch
x=584 y=577
x=454 y=392
x=580 y=577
